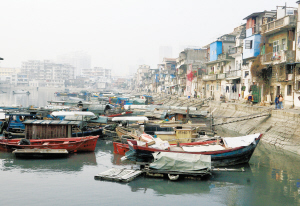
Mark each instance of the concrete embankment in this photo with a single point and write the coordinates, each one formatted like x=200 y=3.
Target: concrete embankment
x=280 y=127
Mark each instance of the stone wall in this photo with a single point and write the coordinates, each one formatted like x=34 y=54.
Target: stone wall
x=281 y=129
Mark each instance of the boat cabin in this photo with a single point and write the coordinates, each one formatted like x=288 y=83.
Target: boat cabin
x=49 y=129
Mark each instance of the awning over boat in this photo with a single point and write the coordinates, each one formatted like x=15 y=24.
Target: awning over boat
x=129 y=119
x=63 y=113
x=240 y=141
x=180 y=161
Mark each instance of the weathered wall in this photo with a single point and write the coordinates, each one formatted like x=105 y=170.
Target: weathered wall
x=281 y=129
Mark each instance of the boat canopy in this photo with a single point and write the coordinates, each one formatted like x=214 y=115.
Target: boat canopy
x=243 y=141
x=129 y=119
x=173 y=161
x=63 y=113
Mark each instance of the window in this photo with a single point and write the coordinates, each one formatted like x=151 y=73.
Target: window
x=246 y=74
x=289 y=90
x=275 y=48
x=248 y=44
x=283 y=47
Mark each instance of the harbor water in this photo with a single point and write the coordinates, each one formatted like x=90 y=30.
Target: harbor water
x=271 y=178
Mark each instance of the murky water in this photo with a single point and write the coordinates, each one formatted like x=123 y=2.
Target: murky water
x=271 y=178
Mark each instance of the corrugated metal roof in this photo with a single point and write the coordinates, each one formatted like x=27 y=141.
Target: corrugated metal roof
x=53 y=122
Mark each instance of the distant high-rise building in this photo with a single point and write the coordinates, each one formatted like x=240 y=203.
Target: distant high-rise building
x=164 y=51
x=47 y=70
x=80 y=60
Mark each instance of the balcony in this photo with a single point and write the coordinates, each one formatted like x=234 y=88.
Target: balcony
x=285 y=78
x=282 y=23
x=221 y=76
x=209 y=77
x=287 y=56
x=235 y=50
x=224 y=56
x=234 y=74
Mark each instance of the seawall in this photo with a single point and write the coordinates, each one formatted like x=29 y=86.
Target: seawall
x=281 y=128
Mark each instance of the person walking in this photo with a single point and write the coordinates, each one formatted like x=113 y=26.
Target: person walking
x=277 y=101
x=280 y=102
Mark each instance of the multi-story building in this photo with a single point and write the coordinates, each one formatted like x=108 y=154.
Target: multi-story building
x=193 y=59
x=8 y=71
x=296 y=92
x=22 y=80
x=220 y=63
x=236 y=76
x=79 y=60
x=142 y=77
x=48 y=71
x=166 y=72
x=251 y=49
x=278 y=55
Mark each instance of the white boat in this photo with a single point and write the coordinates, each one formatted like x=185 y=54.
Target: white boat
x=21 y=91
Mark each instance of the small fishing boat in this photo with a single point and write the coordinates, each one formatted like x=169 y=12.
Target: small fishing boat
x=21 y=91
x=40 y=153
x=72 y=145
x=224 y=152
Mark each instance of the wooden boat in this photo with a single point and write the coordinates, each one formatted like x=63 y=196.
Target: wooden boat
x=225 y=153
x=120 y=114
x=21 y=91
x=72 y=144
x=40 y=153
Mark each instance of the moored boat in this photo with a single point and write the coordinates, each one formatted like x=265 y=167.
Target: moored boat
x=72 y=145
x=224 y=152
x=21 y=91
x=40 y=153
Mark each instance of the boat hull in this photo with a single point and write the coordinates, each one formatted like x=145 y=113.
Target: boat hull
x=72 y=145
x=120 y=148
x=40 y=153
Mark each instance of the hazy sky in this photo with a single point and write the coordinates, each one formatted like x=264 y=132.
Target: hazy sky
x=118 y=34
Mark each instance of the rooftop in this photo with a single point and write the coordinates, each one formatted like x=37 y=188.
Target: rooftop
x=267 y=14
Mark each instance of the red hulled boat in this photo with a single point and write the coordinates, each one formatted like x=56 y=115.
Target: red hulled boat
x=72 y=144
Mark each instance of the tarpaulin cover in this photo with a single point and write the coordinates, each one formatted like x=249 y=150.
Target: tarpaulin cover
x=240 y=141
x=180 y=161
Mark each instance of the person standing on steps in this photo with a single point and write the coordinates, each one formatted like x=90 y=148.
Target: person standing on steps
x=280 y=102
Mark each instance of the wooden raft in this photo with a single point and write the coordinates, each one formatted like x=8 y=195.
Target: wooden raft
x=118 y=175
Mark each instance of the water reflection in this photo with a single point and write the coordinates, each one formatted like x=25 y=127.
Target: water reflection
x=75 y=162
x=36 y=97
x=277 y=169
